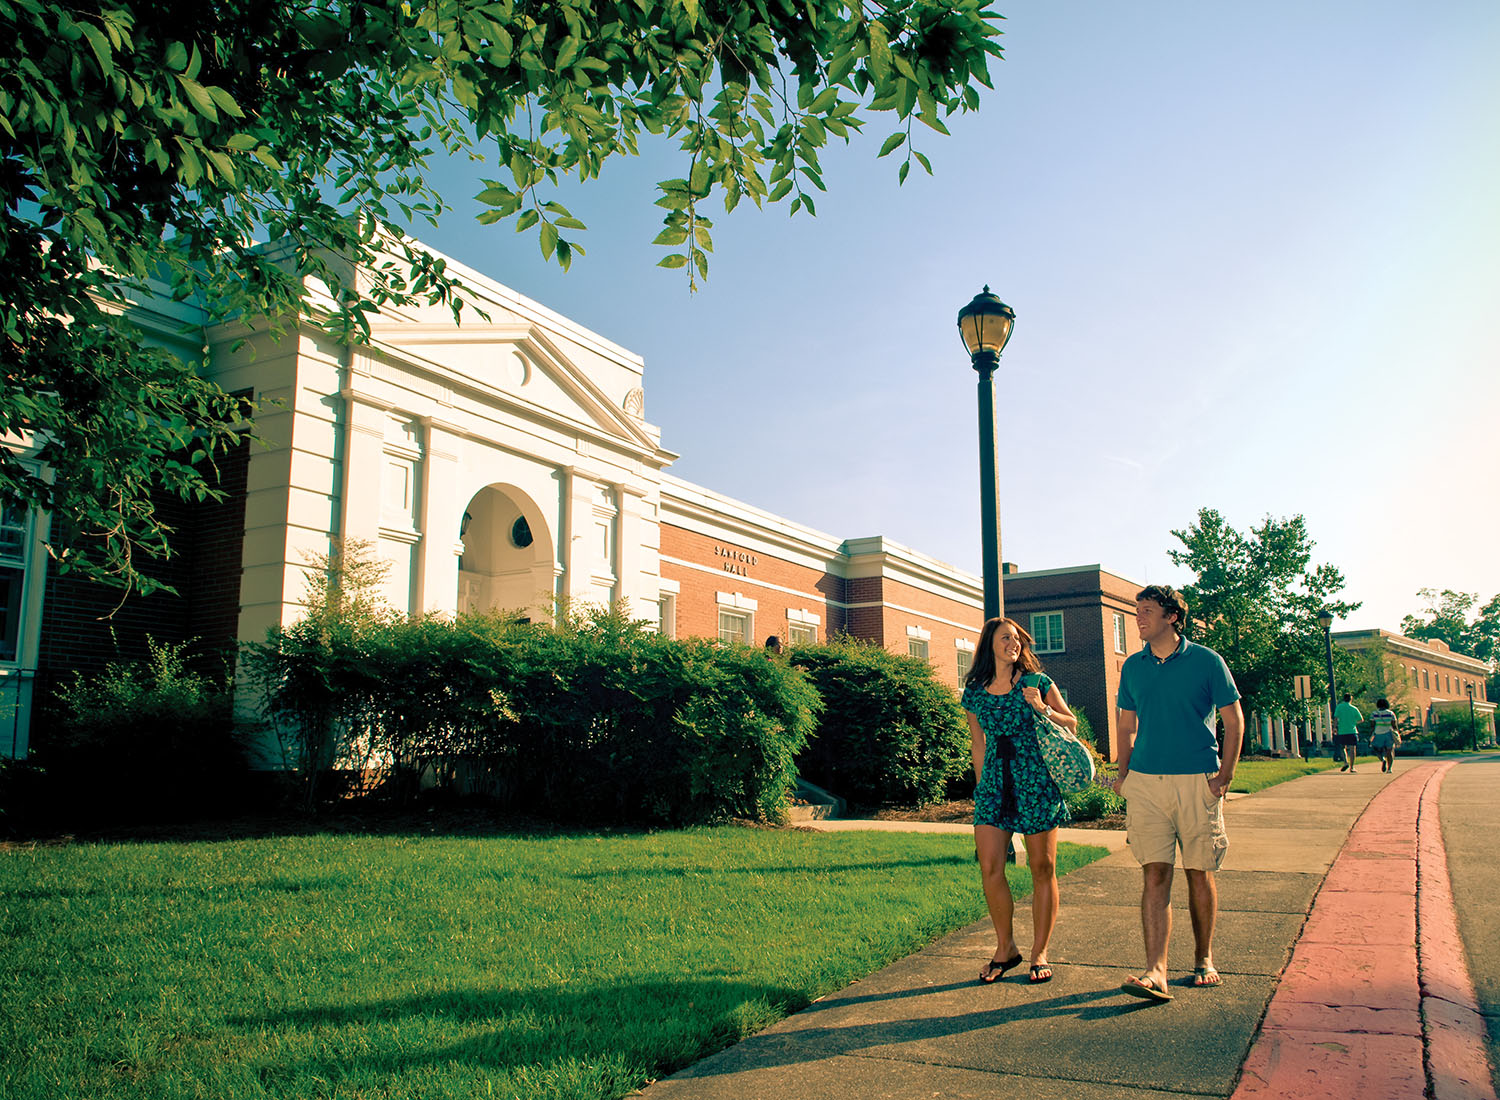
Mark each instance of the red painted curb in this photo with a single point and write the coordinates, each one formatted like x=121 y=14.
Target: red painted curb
x=1377 y=1001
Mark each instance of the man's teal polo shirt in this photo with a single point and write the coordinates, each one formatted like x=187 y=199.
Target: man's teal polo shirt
x=1175 y=702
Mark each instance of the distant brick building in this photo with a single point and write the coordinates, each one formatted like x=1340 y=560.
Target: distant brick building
x=1432 y=678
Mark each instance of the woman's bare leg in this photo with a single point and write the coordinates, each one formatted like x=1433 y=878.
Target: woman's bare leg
x=1041 y=859
x=991 y=843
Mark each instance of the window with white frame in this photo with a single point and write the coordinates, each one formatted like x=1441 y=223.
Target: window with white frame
x=917 y=647
x=802 y=626
x=1047 y=630
x=15 y=533
x=667 y=620
x=964 y=657
x=736 y=617
x=735 y=626
x=1119 y=632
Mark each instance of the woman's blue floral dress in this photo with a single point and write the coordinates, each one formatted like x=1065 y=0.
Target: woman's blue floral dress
x=1015 y=792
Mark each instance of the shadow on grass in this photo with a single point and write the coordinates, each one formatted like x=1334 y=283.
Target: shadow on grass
x=656 y=1027
x=783 y=868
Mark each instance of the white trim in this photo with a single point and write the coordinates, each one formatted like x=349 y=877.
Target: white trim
x=919 y=632
x=910 y=611
x=965 y=644
x=802 y=617
x=800 y=593
x=736 y=600
x=666 y=584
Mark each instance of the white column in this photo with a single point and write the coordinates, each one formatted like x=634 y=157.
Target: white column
x=441 y=510
x=632 y=529
x=578 y=524
x=364 y=462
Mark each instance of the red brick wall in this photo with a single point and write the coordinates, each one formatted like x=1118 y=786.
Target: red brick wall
x=739 y=569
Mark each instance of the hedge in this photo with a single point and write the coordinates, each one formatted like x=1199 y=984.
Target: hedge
x=891 y=732
x=600 y=722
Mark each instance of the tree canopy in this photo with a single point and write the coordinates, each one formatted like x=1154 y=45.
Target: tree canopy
x=1255 y=599
x=1452 y=617
x=152 y=145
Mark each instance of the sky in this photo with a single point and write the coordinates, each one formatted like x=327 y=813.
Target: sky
x=1254 y=254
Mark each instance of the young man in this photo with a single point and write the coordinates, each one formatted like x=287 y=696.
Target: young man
x=1346 y=720
x=1173 y=780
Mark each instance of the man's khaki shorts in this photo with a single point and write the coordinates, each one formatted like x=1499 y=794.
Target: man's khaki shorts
x=1165 y=811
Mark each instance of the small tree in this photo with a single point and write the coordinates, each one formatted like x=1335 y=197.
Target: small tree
x=303 y=672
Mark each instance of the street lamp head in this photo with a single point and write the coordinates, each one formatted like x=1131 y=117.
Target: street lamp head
x=985 y=325
x=1325 y=619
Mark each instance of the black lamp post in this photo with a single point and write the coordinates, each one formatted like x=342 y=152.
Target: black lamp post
x=985 y=325
x=1473 y=735
x=1325 y=620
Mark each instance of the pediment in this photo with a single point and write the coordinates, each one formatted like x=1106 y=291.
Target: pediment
x=521 y=365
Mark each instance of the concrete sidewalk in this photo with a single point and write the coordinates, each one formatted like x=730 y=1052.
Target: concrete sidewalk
x=923 y=1027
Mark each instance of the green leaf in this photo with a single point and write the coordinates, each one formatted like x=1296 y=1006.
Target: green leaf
x=100 y=45
x=672 y=236
x=200 y=98
x=880 y=52
x=892 y=143
x=548 y=235
x=225 y=102
x=674 y=260
x=177 y=56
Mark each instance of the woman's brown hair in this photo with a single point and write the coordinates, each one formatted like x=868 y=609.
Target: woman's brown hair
x=982 y=671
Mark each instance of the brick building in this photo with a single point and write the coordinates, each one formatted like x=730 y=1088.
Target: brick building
x=1428 y=676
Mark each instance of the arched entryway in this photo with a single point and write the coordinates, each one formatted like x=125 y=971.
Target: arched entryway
x=508 y=555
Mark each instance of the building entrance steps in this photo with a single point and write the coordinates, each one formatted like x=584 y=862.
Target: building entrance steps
x=1319 y=863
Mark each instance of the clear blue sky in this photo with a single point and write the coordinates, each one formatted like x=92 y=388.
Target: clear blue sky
x=1255 y=257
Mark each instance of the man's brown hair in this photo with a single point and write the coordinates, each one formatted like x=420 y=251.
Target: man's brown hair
x=1169 y=600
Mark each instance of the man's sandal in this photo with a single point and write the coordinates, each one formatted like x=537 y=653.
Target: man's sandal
x=995 y=969
x=1146 y=989
x=1205 y=976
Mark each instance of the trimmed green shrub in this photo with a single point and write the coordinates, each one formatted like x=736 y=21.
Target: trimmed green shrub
x=1451 y=730
x=148 y=739
x=599 y=720
x=1092 y=803
x=890 y=730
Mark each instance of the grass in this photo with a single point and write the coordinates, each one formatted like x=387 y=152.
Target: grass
x=431 y=967
x=1256 y=775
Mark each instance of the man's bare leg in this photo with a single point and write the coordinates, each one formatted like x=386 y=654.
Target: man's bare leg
x=1203 y=907
x=1156 y=919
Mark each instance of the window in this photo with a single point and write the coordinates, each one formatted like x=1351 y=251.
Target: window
x=917 y=647
x=802 y=633
x=14 y=533
x=1047 y=629
x=667 y=623
x=734 y=626
x=1425 y=682
x=965 y=662
x=1119 y=632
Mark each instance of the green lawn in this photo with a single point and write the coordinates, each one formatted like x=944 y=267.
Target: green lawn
x=406 y=967
x=1256 y=775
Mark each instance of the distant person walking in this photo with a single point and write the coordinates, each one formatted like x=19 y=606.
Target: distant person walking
x=1004 y=693
x=1346 y=720
x=1384 y=739
x=1173 y=780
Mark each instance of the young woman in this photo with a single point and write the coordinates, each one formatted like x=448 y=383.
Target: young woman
x=1003 y=693
x=1385 y=738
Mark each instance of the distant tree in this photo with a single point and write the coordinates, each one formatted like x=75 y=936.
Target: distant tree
x=150 y=144
x=1255 y=598
x=1447 y=617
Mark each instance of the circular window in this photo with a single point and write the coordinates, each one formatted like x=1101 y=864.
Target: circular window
x=520 y=533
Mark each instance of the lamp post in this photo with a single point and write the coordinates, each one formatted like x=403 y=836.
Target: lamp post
x=1325 y=620
x=1473 y=736
x=985 y=325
